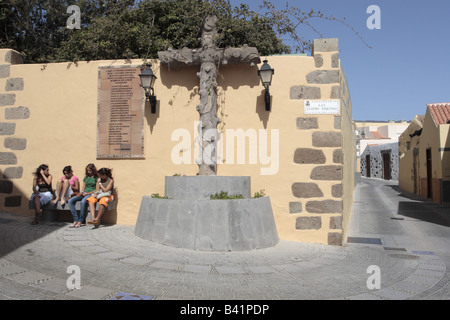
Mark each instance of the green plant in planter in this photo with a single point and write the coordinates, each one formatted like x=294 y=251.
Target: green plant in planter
x=259 y=194
x=223 y=195
x=157 y=196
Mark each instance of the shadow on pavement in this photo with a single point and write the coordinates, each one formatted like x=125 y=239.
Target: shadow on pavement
x=15 y=218
x=16 y=231
x=422 y=209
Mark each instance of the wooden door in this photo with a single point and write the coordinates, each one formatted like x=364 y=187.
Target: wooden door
x=429 y=175
x=387 y=166
x=368 y=166
x=416 y=174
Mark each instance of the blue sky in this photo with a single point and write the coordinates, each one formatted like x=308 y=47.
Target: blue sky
x=408 y=65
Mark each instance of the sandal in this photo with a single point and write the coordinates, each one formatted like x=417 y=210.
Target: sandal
x=96 y=224
x=35 y=221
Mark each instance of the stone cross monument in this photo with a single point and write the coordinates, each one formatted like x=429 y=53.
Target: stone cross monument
x=209 y=56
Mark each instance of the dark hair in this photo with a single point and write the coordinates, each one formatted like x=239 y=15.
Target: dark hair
x=105 y=171
x=37 y=173
x=92 y=167
x=67 y=169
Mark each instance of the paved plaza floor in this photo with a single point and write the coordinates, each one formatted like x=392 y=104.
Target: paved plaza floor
x=398 y=248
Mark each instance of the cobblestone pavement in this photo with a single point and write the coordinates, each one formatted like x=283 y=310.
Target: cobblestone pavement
x=413 y=257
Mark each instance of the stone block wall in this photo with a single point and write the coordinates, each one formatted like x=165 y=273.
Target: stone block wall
x=11 y=116
x=317 y=204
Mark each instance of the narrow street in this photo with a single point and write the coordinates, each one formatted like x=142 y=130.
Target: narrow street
x=399 y=219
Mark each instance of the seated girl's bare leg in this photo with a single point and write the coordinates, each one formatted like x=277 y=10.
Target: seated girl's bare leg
x=101 y=210
x=37 y=208
x=65 y=187
x=92 y=210
x=58 y=192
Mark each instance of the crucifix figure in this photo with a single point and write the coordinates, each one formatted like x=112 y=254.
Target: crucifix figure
x=209 y=56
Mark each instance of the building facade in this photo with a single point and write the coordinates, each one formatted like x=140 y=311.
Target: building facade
x=378 y=148
x=425 y=155
x=303 y=158
x=408 y=145
x=380 y=161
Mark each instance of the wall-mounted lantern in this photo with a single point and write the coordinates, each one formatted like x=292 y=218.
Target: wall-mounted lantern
x=265 y=73
x=147 y=82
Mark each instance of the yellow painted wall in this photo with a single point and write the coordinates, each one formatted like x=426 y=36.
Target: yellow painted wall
x=444 y=134
x=406 y=172
x=406 y=159
x=430 y=139
x=413 y=164
x=62 y=130
x=404 y=138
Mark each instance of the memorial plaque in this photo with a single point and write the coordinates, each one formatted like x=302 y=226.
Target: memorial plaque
x=121 y=103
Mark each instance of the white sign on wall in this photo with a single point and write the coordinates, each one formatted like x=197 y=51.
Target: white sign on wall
x=322 y=107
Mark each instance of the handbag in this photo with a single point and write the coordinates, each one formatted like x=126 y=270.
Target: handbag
x=103 y=194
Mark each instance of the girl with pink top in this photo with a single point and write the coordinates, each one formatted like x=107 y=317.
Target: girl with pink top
x=66 y=186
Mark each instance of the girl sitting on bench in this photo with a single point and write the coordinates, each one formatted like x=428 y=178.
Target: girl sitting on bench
x=42 y=190
x=67 y=186
x=103 y=195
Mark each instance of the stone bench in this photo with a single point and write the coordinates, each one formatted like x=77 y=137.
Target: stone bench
x=50 y=211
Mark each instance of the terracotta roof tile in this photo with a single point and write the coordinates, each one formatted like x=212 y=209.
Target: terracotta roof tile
x=440 y=112
x=377 y=135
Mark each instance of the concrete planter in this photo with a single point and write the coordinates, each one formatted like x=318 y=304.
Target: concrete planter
x=192 y=221
x=201 y=187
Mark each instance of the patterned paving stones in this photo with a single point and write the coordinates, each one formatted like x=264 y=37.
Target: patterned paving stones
x=114 y=264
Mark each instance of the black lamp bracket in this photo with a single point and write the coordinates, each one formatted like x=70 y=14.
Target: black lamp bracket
x=267 y=98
